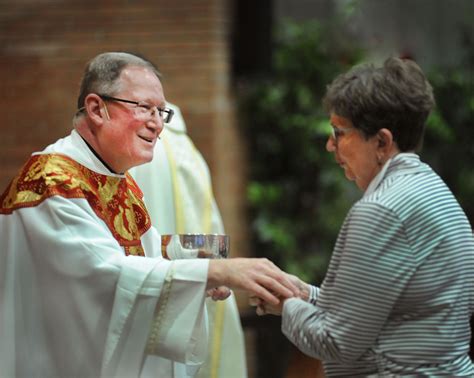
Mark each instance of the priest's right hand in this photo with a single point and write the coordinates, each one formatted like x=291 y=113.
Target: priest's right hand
x=260 y=277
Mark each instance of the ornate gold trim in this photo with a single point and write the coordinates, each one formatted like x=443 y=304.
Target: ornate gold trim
x=115 y=200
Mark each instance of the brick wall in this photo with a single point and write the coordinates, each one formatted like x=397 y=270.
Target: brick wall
x=44 y=45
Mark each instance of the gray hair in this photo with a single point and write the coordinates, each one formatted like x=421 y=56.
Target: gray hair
x=396 y=96
x=102 y=72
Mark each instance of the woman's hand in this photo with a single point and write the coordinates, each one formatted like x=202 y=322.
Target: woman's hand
x=264 y=308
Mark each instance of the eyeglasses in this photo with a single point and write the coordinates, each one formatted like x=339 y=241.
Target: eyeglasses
x=337 y=132
x=144 y=110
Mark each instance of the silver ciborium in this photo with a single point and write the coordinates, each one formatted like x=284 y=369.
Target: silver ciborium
x=194 y=246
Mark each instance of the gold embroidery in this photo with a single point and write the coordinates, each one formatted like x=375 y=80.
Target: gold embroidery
x=115 y=200
x=136 y=250
x=152 y=343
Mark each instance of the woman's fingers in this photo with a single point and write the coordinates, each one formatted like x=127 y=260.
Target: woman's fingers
x=261 y=310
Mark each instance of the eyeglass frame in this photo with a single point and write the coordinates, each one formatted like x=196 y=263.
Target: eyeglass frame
x=169 y=112
x=336 y=132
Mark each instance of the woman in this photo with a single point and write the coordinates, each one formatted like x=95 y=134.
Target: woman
x=398 y=294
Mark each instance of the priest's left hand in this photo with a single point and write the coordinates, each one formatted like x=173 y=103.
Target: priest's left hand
x=219 y=293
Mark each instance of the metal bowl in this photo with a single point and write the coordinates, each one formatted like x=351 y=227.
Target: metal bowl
x=192 y=246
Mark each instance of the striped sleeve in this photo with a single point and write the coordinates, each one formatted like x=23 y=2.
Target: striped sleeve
x=313 y=294
x=374 y=262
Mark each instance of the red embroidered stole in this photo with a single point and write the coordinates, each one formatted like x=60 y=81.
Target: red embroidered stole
x=117 y=201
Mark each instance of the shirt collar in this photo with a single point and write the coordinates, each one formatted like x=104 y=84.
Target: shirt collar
x=76 y=148
x=398 y=162
x=99 y=157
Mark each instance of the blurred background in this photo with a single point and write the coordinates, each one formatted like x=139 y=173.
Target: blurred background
x=248 y=77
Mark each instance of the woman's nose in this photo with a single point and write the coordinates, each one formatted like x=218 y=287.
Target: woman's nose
x=331 y=144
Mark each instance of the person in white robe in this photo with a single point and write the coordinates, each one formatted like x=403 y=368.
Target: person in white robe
x=178 y=194
x=84 y=290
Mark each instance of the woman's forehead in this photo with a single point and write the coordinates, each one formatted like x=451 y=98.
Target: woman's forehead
x=339 y=121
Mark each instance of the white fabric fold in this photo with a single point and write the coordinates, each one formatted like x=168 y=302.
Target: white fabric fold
x=73 y=304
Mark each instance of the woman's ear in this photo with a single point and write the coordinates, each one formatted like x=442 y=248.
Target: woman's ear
x=385 y=140
x=96 y=109
x=386 y=146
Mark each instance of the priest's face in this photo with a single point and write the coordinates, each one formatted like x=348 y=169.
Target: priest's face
x=129 y=134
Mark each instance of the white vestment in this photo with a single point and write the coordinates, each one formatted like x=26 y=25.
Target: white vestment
x=178 y=195
x=72 y=303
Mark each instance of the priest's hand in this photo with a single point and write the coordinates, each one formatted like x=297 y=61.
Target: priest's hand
x=259 y=277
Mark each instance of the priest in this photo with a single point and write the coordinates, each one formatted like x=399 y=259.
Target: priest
x=84 y=290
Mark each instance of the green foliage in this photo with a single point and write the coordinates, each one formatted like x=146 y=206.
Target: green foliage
x=297 y=194
x=449 y=140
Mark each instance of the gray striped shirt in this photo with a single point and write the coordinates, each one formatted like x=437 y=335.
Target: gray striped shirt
x=399 y=291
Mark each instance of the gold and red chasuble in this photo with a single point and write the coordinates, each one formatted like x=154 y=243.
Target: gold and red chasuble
x=115 y=200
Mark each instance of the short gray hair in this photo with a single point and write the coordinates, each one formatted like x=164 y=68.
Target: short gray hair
x=396 y=96
x=102 y=72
